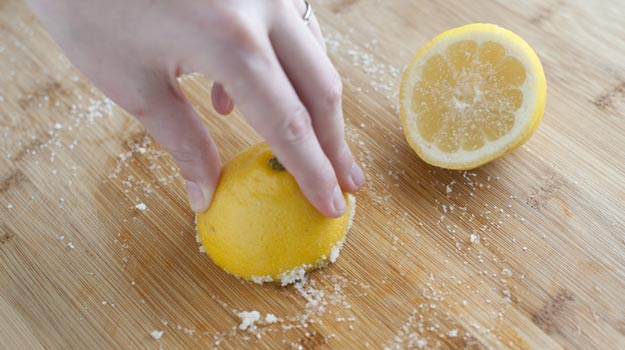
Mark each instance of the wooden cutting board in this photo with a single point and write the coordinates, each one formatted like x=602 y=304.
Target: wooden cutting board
x=527 y=252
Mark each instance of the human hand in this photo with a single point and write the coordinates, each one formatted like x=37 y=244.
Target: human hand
x=261 y=54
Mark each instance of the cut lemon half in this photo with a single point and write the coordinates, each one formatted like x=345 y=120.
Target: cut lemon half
x=260 y=227
x=470 y=95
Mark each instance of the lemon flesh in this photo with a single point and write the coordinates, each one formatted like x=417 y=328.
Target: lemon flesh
x=470 y=95
x=260 y=226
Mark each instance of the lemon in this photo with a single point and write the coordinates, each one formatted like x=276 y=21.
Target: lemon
x=260 y=226
x=470 y=95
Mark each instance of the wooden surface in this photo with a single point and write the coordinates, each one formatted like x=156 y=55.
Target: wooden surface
x=82 y=268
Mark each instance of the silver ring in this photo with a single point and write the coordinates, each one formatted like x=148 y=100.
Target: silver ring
x=308 y=13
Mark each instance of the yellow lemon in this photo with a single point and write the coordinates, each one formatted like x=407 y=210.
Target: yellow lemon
x=470 y=95
x=260 y=226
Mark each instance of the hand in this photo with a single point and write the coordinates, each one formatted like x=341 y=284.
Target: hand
x=263 y=57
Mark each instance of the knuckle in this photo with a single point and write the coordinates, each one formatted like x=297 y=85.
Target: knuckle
x=297 y=126
x=235 y=28
x=344 y=154
x=334 y=93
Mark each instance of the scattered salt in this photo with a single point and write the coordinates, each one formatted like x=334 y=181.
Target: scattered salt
x=336 y=250
x=292 y=276
x=141 y=206
x=452 y=333
x=271 y=318
x=9 y=206
x=71 y=245
x=248 y=319
x=156 y=334
x=261 y=279
x=474 y=238
x=202 y=249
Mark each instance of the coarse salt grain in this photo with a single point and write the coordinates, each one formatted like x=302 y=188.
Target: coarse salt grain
x=156 y=334
x=474 y=238
x=261 y=279
x=271 y=318
x=248 y=319
x=70 y=245
x=141 y=206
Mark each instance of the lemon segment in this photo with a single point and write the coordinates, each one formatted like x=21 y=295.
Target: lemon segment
x=470 y=95
x=260 y=226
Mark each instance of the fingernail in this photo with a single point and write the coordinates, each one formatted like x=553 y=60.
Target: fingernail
x=357 y=175
x=197 y=200
x=338 y=202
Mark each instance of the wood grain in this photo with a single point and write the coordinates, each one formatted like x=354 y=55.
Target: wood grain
x=82 y=268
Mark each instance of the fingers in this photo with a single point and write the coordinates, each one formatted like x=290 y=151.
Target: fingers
x=264 y=94
x=319 y=87
x=222 y=103
x=171 y=120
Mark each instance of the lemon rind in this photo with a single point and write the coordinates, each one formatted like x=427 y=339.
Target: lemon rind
x=298 y=273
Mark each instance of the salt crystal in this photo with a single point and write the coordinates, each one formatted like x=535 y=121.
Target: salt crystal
x=71 y=245
x=271 y=318
x=9 y=206
x=104 y=302
x=58 y=126
x=141 y=206
x=506 y=272
x=452 y=333
x=248 y=319
x=292 y=276
x=156 y=334
x=202 y=249
x=336 y=250
x=261 y=279
x=474 y=238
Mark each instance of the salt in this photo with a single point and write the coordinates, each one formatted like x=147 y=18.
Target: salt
x=248 y=319
x=156 y=334
x=271 y=318
x=141 y=206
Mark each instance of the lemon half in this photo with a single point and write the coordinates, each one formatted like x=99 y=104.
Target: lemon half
x=470 y=95
x=260 y=227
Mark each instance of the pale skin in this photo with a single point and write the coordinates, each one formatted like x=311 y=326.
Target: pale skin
x=261 y=56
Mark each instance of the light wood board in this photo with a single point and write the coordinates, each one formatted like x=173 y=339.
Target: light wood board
x=82 y=268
